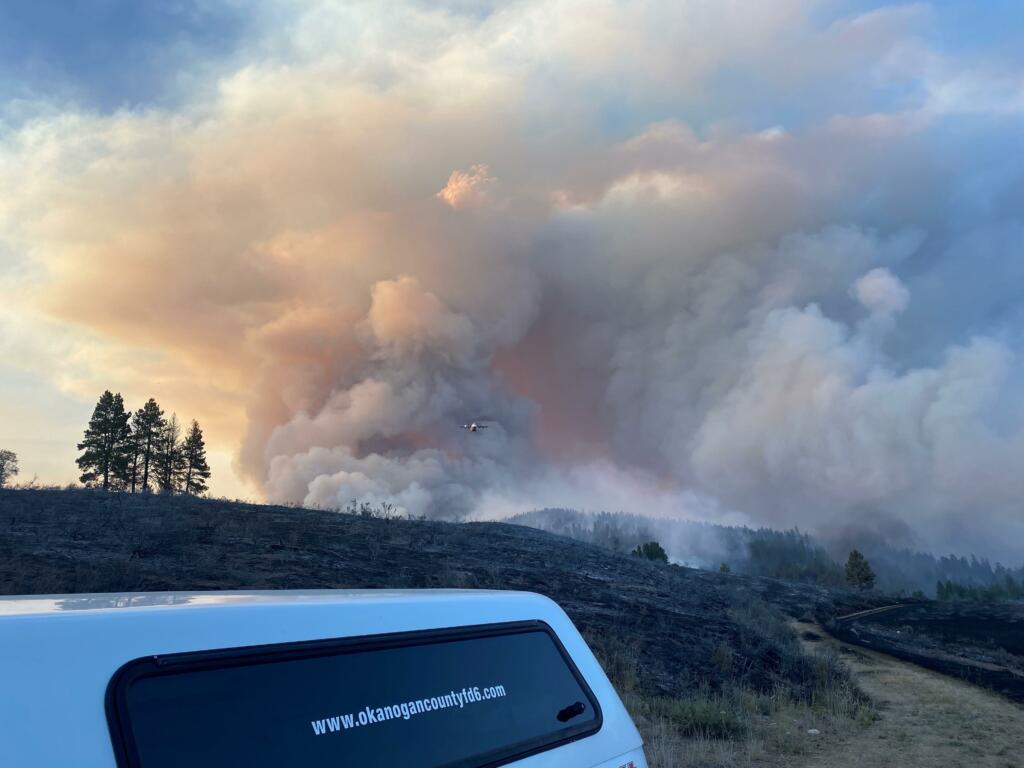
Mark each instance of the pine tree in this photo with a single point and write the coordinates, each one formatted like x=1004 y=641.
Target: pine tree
x=858 y=571
x=147 y=426
x=104 y=460
x=195 y=469
x=133 y=453
x=168 y=456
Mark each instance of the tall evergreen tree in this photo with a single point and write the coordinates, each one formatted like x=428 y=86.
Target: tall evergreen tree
x=104 y=445
x=147 y=426
x=859 y=572
x=168 y=456
x=133 y=459
x=195 y=469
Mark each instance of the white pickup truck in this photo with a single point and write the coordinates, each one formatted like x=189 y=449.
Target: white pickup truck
x=304 y=680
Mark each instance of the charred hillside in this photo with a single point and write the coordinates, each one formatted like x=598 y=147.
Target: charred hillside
x=673 y=627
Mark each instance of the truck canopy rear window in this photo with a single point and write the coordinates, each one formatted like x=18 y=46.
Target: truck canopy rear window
x=472 y=697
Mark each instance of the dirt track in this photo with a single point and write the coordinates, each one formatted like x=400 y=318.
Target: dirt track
x=926 y=719
x=980 y=642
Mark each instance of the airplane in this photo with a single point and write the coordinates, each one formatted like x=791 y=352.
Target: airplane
x=473 y=427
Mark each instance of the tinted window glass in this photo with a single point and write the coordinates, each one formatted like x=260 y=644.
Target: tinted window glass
x=467 y=699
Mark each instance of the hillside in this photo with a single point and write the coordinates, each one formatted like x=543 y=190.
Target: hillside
x=673 y=619
x=707 y=663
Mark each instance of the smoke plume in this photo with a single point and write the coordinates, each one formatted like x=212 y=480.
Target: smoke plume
x=680 y=268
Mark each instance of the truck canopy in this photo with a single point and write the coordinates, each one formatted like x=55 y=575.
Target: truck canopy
x=417 y=677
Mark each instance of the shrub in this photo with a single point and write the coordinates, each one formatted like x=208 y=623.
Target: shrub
x=705 y=715
x=651 y=550
x=8 y=466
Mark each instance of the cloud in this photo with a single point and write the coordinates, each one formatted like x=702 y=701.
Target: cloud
x=817 y=420
x=467 y=189
x=881 y=291
x=681 y=270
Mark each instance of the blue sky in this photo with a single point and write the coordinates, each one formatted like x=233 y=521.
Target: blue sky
x=112 y=54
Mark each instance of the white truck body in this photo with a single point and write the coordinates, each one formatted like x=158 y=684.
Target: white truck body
x=59 y=654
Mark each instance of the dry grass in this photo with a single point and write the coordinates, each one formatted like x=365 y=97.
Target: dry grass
x=738 y=725
x=741 y=727
x=921 y=719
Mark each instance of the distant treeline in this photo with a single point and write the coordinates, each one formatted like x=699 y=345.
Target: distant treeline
x=908 y=571
x=793 y=554
x=762 y=552
x=1008 y=589
x=141 y=451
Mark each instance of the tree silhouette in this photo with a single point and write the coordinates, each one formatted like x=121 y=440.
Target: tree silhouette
x=104 y=460
x=858 y=571
x=133 y=457
x=147 y=426
x=8 y=466
x=168 y=456
x=195 y=469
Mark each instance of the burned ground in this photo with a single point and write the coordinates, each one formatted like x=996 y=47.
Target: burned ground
x=680 y=629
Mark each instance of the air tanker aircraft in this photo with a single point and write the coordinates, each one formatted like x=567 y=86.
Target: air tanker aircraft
x=474 y=426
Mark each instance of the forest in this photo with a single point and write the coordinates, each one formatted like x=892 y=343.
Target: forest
x=794 y=555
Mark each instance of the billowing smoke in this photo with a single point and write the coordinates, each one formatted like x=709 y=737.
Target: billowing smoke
x=783 y=296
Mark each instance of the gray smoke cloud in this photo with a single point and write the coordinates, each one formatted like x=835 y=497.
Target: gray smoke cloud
x=786 y=297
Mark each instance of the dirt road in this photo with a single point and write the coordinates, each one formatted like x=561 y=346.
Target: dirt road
x=926 y=719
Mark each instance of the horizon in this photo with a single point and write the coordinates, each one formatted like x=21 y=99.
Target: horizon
x=743 y=265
